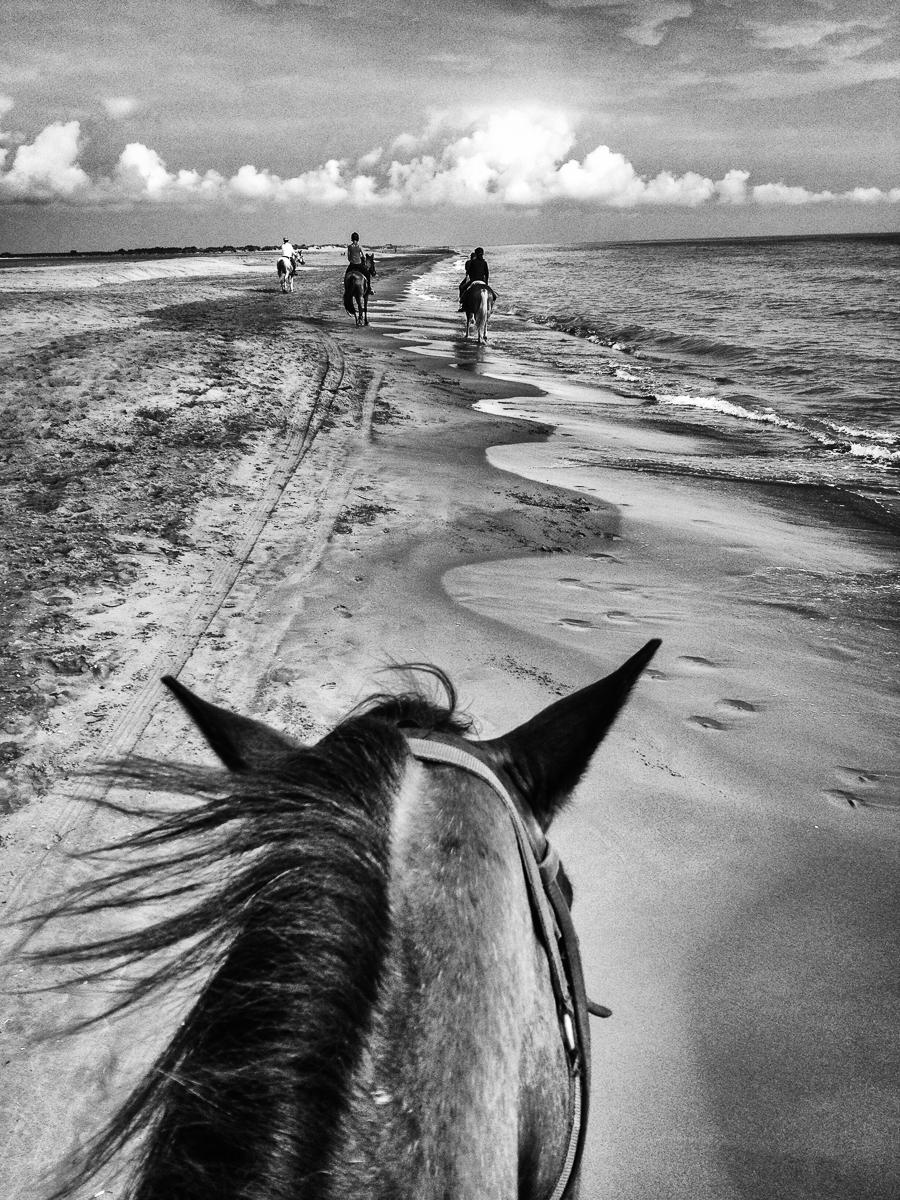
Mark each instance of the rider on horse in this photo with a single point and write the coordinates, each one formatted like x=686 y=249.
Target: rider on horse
x=357 y=260
x=477 y=271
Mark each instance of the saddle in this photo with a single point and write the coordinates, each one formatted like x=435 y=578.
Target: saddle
x=477 y=283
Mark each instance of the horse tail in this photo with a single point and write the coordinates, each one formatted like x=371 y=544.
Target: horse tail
x=275 y=892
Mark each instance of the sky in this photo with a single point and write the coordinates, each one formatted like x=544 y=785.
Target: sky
x=128 y=123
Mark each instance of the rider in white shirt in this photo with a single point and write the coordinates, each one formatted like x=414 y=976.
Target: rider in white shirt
x=287 y=250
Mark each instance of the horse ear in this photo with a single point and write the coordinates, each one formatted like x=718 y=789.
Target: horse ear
x=240 y=742
x=547 y=755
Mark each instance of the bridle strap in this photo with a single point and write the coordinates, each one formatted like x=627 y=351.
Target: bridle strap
x=558 y=936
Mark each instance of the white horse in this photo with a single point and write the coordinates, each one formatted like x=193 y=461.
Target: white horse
x=287 y=268
x=478 y=304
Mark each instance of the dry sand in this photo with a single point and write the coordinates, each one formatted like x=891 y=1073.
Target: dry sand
x=204 y=476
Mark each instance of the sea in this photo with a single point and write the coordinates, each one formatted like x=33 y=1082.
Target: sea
x=783 y=352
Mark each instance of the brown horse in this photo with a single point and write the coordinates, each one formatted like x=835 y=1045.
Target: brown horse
x=389 y=1000
x=478 y=304
x=357 y=288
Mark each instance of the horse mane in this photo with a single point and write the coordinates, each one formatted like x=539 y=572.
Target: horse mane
x=413 y=709
x=273 y=886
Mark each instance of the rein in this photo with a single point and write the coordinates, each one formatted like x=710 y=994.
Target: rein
x=540 y=864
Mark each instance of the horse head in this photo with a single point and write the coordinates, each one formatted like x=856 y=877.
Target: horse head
x=544 y=758
x=393 y=1000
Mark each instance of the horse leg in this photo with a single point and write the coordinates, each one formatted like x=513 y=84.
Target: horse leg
x=484 y=313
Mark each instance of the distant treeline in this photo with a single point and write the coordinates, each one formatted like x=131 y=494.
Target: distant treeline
x=157 y=251
x=172 y=251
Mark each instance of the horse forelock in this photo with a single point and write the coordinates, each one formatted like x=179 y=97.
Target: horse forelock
x=414 y=708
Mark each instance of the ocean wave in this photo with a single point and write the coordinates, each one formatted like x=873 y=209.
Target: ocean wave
x=729 y=409
x=875 y=453
x=696 y=345
x=875 y=435
x=880 y=452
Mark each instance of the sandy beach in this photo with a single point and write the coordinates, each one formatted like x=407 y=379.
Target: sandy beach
x=205 y=477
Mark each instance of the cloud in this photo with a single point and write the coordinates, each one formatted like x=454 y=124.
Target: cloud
x=813 y=33
x=508 y=159
x=781 y=193
x=47 y=168
x=141 y=174
x=372 y=158
x=650 y=27
x=646 y=20
x=118 y=107
x=732 y=187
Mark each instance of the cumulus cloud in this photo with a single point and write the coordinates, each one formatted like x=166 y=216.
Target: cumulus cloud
x=512 y=159
x=732 y=187
x=47 y=168
x=142 y=175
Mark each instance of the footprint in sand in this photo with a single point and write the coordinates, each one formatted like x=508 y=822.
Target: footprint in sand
x=578 y=584
x=737 y=707
x=652 y=673
x=707 y=722
x=619 y=617
x=696 y=664
x=866 y=789
x=574 y=623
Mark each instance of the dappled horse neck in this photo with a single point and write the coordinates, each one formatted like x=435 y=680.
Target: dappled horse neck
x=463 y=988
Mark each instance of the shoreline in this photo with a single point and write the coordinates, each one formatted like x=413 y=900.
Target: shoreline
x=736 y=919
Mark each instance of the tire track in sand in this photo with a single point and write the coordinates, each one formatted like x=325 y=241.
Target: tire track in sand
x=64 y=809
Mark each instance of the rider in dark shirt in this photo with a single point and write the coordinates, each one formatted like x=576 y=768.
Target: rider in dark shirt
x=477 y=271
x=464 y=282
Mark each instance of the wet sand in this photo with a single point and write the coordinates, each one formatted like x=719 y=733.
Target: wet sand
x=205 y=476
